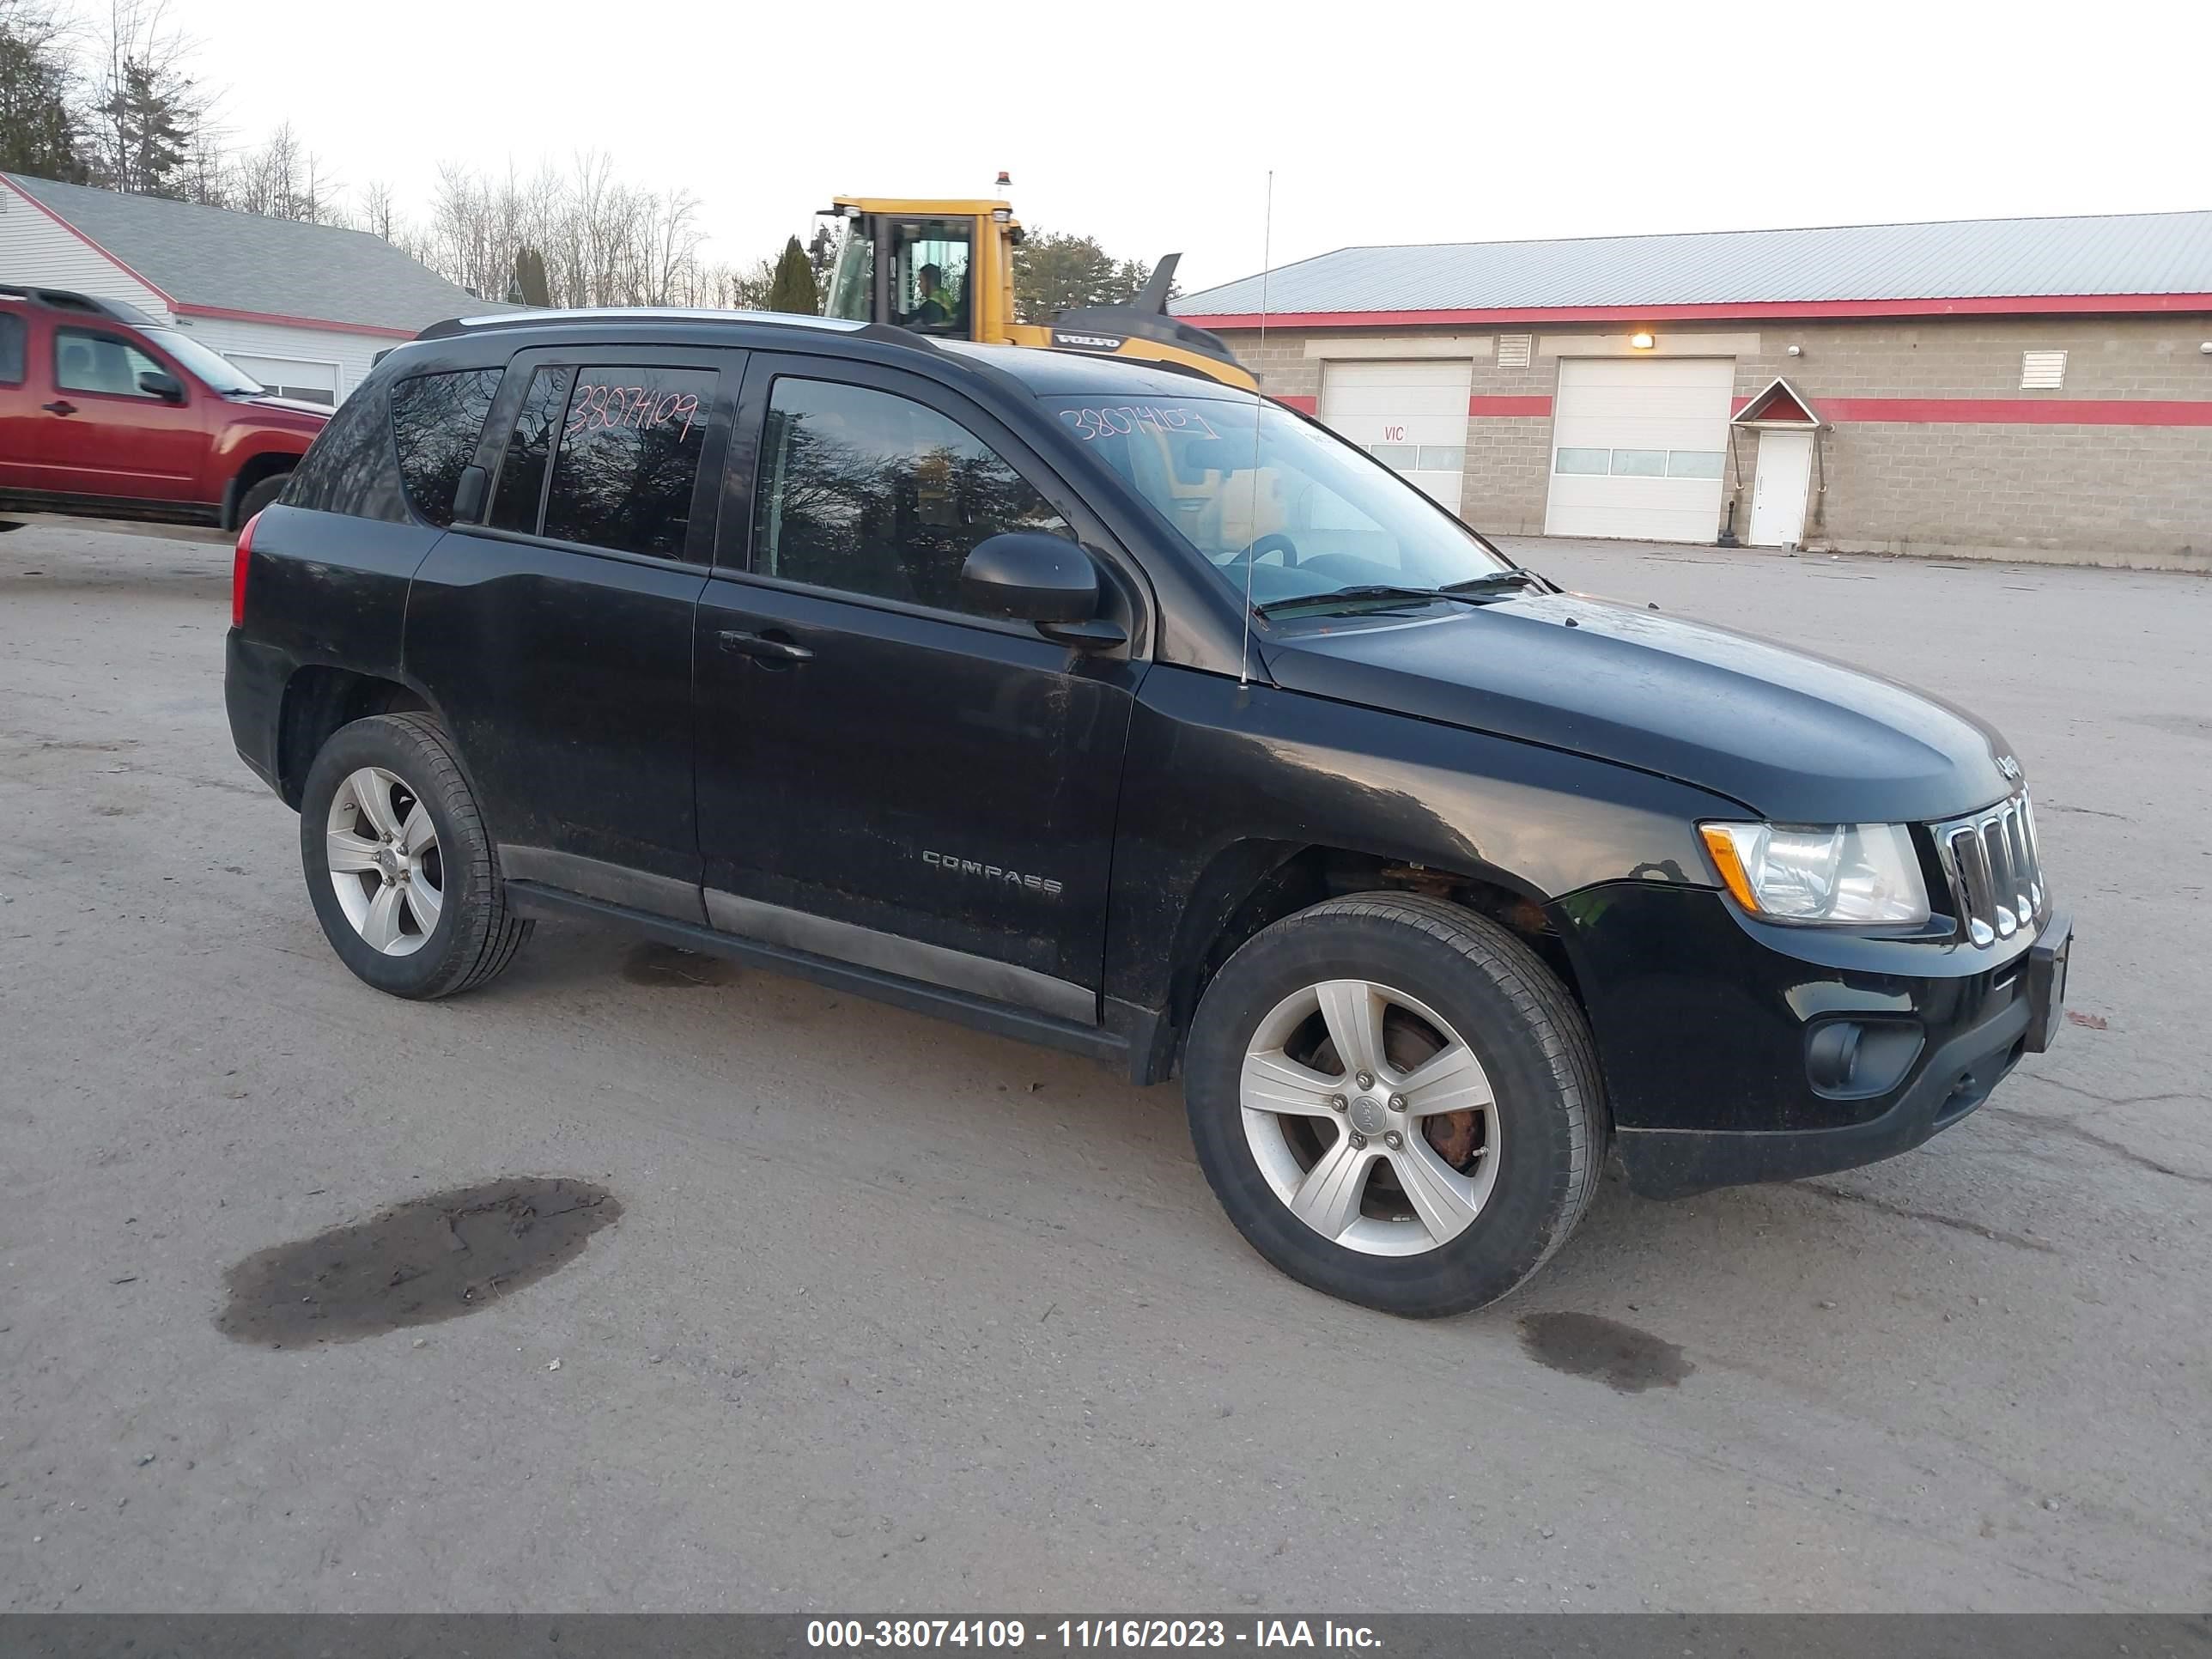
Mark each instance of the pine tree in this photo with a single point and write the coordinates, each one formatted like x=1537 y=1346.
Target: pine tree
x=150 y=118
x=38 y=132
x=793 y=287
x=531 y=288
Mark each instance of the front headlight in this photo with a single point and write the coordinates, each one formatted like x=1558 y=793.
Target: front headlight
x=1842 y=873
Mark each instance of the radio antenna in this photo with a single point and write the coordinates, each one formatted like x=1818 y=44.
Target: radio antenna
x=1267 y=259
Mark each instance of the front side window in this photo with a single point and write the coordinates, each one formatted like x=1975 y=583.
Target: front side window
x=870 y=493
x=1241 y=479
x=436 y=420
x=101 y=363
x=12 y=334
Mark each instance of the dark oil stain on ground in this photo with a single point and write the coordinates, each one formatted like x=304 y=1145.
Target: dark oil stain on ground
x=433 y=1258
x=1626 y=1360
x=664 y=964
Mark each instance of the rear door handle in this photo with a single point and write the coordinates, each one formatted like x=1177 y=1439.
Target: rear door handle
x=764 y=647
x=62 y=407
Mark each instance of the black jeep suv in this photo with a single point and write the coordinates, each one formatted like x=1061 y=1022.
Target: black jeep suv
x=1134 y=715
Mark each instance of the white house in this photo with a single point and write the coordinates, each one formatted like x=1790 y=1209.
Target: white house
x=302 y=309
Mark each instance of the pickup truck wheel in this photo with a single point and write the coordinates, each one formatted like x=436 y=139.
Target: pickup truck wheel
x=1396 y=1102
x=403 y=878
x=261 y=495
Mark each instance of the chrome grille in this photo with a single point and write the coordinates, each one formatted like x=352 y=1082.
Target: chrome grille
x=1991 y=859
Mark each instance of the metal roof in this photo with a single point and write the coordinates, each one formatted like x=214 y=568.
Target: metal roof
x=2121 y=254
x=279 y=268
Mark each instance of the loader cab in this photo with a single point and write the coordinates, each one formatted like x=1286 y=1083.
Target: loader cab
x=939 y=268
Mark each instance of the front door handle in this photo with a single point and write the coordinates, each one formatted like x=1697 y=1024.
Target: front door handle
x=60 y=407
x=764 y=647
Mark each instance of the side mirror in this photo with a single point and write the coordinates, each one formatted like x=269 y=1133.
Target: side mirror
x=1031 y=577
x=159 y=383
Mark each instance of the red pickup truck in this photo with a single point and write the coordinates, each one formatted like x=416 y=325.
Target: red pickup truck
x=105 y=412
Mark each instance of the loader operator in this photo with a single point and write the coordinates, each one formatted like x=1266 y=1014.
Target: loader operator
x=935 y=308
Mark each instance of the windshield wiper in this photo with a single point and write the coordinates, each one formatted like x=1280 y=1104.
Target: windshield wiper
x=1474 y=591
x=1494 y=582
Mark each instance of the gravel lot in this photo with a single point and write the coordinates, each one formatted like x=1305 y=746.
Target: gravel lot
x=897 y=1317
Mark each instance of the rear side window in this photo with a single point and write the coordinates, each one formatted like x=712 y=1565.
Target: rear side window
x=521 y=489
x=436 y=420
x=11 y=349
x=621 y=447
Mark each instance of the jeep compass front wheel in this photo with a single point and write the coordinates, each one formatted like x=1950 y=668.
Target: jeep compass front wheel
x=1396 y=1101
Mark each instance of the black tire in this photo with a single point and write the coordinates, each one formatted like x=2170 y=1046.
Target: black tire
x=475 y=936
x=260 y=495
x=1509 y=1010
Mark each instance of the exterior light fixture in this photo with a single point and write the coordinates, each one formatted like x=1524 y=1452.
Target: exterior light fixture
x=1642 y=342
x=1796 y=351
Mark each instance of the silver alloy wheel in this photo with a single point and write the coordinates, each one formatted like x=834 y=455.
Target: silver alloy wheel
x=386 y=866
x=1344 y=1084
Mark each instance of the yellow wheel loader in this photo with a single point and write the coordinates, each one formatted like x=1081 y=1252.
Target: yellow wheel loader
x=947 y=268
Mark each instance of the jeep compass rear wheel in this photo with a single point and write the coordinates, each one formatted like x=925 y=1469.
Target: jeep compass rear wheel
x=403 y=878
x=1396 y=1102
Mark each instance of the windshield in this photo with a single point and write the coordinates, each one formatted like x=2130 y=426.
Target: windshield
x=1313 y=515
x=215 y=371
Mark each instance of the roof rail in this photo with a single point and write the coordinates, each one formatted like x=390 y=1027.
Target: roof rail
x=63 y=299
x=558 y=318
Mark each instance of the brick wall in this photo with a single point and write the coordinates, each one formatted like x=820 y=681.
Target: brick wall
x=2105 y=493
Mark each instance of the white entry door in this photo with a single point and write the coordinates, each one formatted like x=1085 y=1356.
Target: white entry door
x=1778 y=490
x=1410 y=416
x=1638 y=448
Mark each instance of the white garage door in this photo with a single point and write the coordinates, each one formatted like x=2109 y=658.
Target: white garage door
x=1411 y=416
x=1638 y=446
x=289 y=376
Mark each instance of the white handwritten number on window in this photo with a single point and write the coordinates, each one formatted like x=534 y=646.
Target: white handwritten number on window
x=632 y=406
x=1123 y=418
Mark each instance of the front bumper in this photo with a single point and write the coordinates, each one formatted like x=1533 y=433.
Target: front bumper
x=1721 y=1038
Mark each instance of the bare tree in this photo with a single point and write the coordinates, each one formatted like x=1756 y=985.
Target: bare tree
x=379 y=216
x=602 y=242
x=670 y=244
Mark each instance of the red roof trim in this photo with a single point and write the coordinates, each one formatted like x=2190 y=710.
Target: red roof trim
x=136 y=276
x=2041 y=305
x=224 y=314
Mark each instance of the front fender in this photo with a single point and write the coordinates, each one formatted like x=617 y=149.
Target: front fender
x=1214 y=765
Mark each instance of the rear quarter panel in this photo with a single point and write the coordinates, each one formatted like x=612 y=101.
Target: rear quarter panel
x=327 y=588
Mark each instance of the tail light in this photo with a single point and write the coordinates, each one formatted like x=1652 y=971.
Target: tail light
x=238 y=561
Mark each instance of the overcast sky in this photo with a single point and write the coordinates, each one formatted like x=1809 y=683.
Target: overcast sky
x=1153 y=127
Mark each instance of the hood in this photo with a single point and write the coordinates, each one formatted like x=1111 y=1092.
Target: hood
x=321 y=412
x=1795 y=738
